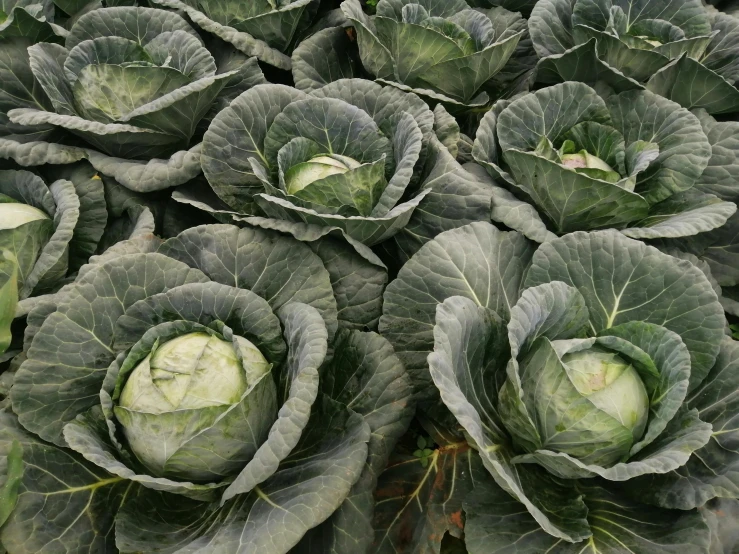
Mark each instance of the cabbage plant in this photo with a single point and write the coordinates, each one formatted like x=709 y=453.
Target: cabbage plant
x=266 y=29
x=634 y=161
x=134 y=84
x=680 y=50
x=342 y=156
x=446 y=51
x=372 y=165
x=51 y=229
x=201 y=383
x=586 y=383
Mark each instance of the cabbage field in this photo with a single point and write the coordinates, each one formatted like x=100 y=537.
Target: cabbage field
x=369 y=277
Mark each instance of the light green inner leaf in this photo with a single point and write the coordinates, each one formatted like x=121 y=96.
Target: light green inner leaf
x=107 y=93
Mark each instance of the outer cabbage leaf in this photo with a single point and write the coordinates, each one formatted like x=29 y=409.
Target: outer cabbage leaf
x=475 y=261
x=80 y=491
x=496 y=523
x=713 y=471
x=141 y=139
